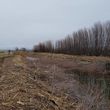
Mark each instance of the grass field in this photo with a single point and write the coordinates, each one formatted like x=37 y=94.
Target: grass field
x=43 y=81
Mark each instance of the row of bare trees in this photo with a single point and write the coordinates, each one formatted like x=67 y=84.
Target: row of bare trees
x=93 y=41
x=44 y=47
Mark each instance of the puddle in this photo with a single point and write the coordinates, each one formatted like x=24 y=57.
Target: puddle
x=102 y=81
x=32 y=59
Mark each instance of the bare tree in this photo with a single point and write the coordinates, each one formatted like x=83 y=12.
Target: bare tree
x=93 y=41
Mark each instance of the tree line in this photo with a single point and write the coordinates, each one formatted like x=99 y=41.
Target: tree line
x=87 y=41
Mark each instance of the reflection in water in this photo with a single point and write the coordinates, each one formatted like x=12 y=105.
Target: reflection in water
x=102 y=81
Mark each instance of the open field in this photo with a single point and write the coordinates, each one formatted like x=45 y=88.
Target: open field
x=43 y=81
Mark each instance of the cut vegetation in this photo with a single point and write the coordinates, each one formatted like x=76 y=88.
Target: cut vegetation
x=42 y=81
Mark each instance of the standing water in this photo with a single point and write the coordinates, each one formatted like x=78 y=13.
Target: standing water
x=102 y=81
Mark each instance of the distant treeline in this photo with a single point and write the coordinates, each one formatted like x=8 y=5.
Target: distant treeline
x=93 y=41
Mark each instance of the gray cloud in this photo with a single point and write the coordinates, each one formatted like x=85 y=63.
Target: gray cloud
x=26 y=22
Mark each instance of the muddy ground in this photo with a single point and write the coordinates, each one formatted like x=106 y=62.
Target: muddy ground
x=41 y=81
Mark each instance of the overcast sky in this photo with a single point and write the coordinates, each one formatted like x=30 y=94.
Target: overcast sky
x=24 y=23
